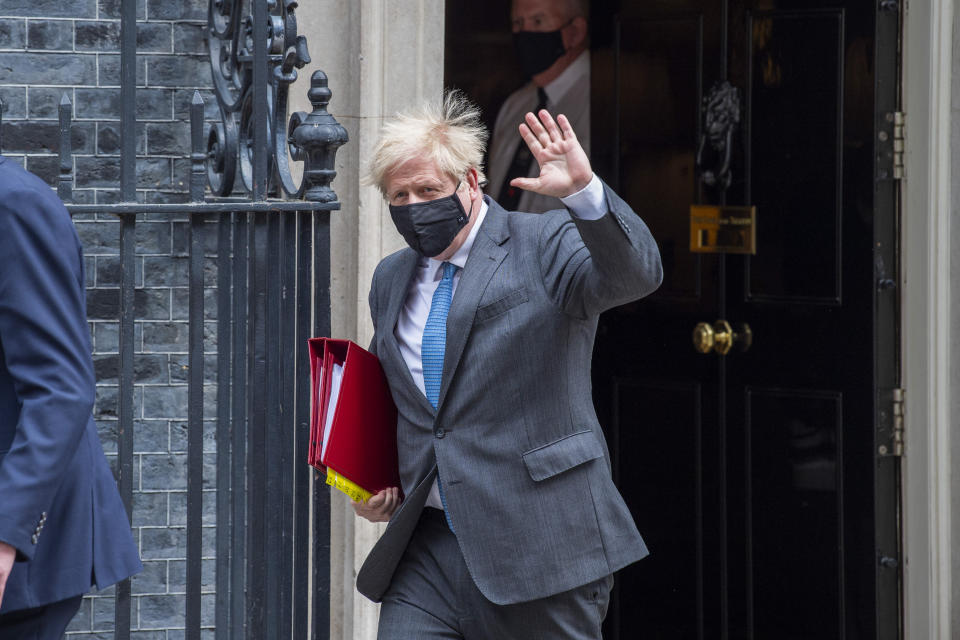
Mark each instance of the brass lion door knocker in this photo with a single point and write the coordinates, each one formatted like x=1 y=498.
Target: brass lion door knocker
x=721 y=112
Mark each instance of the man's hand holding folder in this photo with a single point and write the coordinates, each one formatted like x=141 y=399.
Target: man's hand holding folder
x=380 y=507
x=353 y=426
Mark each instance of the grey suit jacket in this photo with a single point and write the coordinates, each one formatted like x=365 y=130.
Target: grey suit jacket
x=515 y=438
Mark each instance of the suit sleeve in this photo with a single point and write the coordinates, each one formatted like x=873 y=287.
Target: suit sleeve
x=372 y=302
x=589 y=266
x=46 y=349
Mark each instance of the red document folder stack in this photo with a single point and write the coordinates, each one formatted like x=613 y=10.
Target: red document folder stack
x=353 y=424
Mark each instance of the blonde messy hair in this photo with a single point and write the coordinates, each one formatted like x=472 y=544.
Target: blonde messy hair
x=447 y=131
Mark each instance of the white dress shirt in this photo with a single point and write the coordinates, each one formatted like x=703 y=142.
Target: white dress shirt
x=570 y=78
x=588 y=204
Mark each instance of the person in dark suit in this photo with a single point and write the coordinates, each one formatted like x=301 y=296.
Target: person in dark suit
x=63 y=527
x=511 y=526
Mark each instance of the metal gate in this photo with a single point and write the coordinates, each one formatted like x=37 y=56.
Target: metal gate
x=272 y=292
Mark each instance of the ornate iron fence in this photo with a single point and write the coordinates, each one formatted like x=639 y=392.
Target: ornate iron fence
x=272 y=292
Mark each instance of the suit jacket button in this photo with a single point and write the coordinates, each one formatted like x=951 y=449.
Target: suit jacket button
x=440 y=432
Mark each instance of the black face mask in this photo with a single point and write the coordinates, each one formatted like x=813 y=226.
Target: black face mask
x=537 y=50
x=429 y=227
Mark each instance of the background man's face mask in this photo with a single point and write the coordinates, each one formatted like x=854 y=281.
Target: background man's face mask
x=538 y=50
x=429 y=227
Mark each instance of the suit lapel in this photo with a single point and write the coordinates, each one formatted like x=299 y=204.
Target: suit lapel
x=399 y=287
x=485 y=257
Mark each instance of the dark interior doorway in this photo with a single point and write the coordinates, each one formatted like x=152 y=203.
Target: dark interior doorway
x=478 y=54
x=754 y=476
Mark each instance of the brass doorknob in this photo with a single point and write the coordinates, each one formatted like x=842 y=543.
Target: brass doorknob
x=721 y=337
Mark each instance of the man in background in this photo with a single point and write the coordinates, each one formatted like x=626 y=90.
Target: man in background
x=551 y=40
x=63 y=527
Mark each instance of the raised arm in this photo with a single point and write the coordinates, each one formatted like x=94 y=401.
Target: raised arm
x=603 y=255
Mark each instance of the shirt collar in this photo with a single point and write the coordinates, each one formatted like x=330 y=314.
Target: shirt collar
x=460 y=257
x=569 y=78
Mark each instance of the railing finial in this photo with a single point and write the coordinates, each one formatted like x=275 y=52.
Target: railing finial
x=198 y=149
x=65 y=183
x=319 y=135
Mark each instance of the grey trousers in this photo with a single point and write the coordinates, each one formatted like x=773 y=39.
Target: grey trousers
x=432 y=596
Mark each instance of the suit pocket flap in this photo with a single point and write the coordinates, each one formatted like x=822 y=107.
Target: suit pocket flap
x=563 y=454
x=502 y=305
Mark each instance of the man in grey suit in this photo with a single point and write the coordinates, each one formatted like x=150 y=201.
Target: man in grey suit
x=511 y=526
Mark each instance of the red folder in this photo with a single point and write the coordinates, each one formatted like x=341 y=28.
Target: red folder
x=362 y=440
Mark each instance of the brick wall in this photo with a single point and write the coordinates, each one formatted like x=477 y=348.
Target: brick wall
x=49 y=48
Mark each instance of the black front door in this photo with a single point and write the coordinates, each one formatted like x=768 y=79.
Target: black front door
x=757 y=477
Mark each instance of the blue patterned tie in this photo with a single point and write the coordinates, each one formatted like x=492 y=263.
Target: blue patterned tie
x=433 y=347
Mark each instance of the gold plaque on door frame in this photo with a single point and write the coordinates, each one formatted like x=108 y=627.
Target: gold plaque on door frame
x=723 y=229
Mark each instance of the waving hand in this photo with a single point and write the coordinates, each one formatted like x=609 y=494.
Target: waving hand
x=564 y=166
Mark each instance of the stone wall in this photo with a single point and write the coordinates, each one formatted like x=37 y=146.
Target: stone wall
x=49 y=48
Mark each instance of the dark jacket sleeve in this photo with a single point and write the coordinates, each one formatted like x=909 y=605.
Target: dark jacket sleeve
x=589 y=266
x=46 y=352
